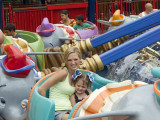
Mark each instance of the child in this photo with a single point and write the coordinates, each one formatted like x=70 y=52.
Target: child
x=80 y=25
x=10 y=31
x=82 y=82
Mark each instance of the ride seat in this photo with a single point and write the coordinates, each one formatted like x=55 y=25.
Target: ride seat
x=42 y=108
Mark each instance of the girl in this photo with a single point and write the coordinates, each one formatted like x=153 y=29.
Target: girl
x=66 y=20
x=82 y=82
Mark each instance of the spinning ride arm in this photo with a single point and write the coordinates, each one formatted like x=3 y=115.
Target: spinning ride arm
x=133 y=45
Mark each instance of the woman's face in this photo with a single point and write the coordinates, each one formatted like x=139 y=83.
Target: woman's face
x=64 y=17
x=73 y=61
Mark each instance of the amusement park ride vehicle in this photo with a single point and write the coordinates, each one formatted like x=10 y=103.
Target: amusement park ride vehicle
x=139 y=103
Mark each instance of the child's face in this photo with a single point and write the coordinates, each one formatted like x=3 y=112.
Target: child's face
x=9 y=33
x=78 y=21
x=80 y=87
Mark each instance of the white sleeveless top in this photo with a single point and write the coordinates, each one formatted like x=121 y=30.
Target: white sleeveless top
x=143 y=14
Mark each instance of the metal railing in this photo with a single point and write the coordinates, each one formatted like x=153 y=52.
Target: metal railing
x=105 y=10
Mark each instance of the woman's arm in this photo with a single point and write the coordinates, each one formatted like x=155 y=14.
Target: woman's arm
x=59 y=76
x=73 y=100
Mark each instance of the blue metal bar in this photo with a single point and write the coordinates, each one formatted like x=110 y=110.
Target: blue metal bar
x=131 y=46
x=1 y=22
x=132 y=28
x=91 y=10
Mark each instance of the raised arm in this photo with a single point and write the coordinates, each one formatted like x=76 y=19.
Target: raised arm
x=59 y=76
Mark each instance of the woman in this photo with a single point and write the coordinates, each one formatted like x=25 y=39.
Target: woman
x=61 y=84
x=66 y=19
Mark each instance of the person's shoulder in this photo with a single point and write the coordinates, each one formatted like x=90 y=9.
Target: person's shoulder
x=155 y=10
x=62 y=72
x=87 y=24
x=18 y=35
x=61 y=22
x=73 y=22
x=75 y=26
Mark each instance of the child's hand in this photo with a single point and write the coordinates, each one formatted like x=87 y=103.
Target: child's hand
x=86 y=28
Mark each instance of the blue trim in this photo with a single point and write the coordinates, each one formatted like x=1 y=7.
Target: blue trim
x=18 y=70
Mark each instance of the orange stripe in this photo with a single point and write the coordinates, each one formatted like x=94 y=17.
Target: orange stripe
x=137 y=85
x=29 y=99
x=118 y=89
x=155 y=88
x=95 y=105
x=104 y=94
x=98 y=102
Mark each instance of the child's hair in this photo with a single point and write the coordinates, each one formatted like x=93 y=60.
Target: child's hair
x=10 y=27
x=80 y=17
x=85 y=79
x=65 y=12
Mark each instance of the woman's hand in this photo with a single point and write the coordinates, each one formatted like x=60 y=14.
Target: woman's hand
x=42 y=91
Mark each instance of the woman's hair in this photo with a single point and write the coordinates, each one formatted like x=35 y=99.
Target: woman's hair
x=68 y=52
x=72 y=50
x=85 y=79
x=65 y=12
